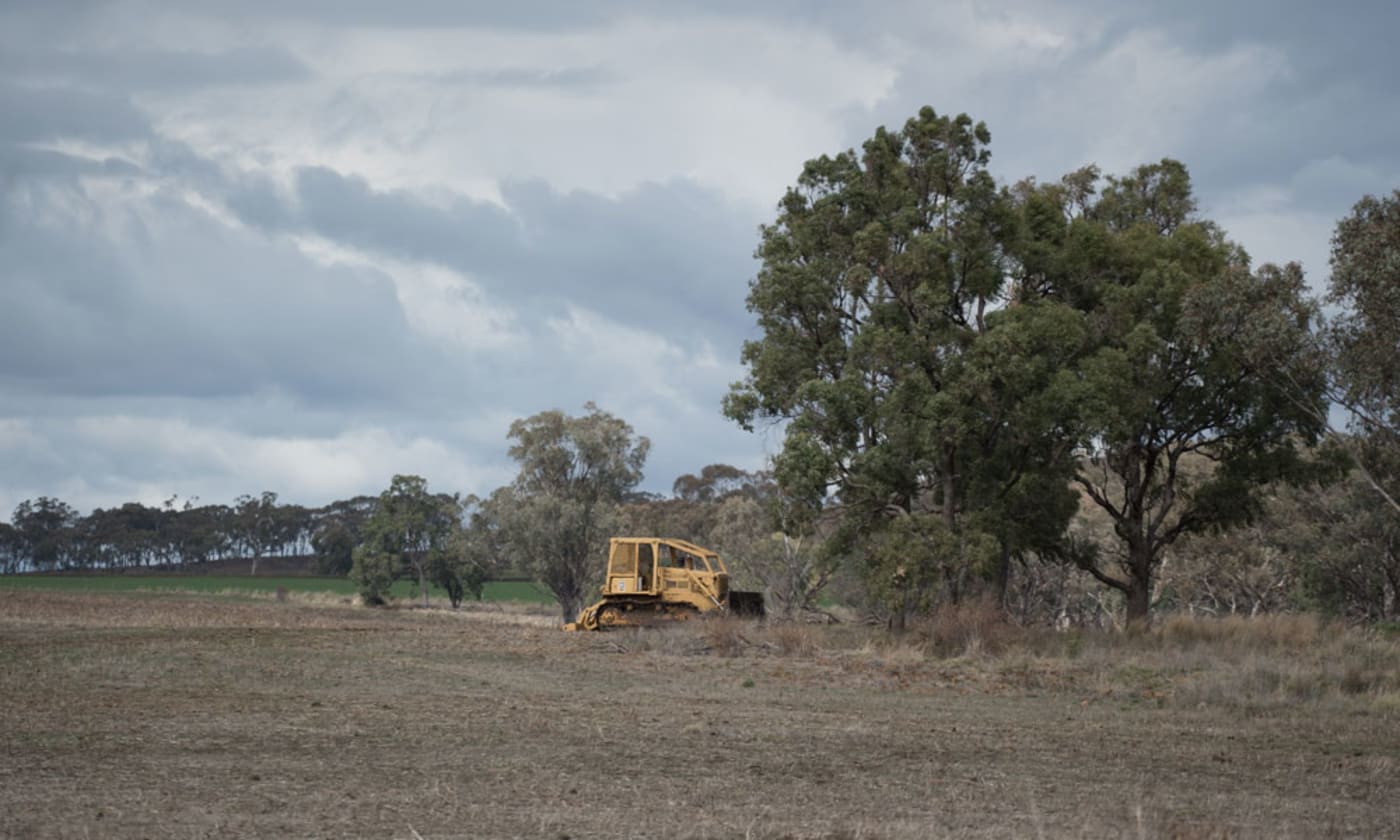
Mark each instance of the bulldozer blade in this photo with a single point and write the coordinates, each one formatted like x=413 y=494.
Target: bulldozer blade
x=746 y=603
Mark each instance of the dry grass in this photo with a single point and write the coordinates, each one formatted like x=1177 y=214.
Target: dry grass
x=967 y=630
x=202 y=717
x=1280 y=631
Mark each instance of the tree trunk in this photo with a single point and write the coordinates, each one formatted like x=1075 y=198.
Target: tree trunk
x=569 y=606
x=423 y=584
x=1003 y=574
x=950 y=487
x=1139 y=586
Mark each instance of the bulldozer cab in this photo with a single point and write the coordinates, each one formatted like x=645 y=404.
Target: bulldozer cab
x=671 y=556
x=641 y=566
x=631 y=568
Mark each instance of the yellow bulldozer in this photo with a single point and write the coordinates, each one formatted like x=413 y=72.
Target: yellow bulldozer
x=653 y=580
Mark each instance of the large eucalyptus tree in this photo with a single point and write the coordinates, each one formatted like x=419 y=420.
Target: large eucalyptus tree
x=903 y=377
x=1172 y=368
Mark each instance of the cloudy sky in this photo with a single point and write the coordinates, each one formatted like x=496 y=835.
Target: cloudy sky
x=301 y=247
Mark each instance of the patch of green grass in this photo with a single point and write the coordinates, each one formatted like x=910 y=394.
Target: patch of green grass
x=494 y=591
x=516 y=590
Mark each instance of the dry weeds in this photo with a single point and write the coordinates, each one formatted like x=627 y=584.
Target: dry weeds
x=202 y=717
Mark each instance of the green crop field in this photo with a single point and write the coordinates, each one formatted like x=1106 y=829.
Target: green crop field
x=495 y=591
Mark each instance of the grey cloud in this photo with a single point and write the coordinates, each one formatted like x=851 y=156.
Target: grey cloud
x=101 y=453
x=135 y=69
x=36 y=114
x=1335 y=183
x=668 y=255
x=1323 y=42
x=661 y=255
x=259 y=203
x=572 y=78
x=173 y=159
x=191 y=309
x=670 y=259
x=18 y=162
x=397 y=223
x=1333 y=97
x=520 y=14
x=144 y=306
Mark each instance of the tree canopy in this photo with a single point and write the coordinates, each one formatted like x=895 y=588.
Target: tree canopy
x=555 y=517
x=888 y=349
x=1174 y=316
x=949 y=355
x=1363 y=340
x=410 y=532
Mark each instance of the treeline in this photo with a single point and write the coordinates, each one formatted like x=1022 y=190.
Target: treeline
x=576 y=488
x=47 y=534
x=1327 y=547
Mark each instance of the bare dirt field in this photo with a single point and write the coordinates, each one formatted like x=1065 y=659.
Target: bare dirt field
x=194 y=716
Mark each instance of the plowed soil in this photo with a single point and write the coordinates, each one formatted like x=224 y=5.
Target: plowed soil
x=187 y=716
